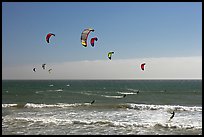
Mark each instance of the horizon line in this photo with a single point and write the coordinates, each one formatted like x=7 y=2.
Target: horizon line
x=117 y=79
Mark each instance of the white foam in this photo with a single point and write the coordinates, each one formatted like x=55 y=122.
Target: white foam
x=165 y=107
x=59 y=105
x=59 y=90
x=32 y=105
x=8 y=105
x=127 y=93
x=112 y=96
x=135 y=90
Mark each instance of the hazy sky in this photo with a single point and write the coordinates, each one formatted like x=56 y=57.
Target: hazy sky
x=166 y=36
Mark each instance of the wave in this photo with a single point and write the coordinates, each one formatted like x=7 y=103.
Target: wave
x=134 y=90
x=58 y=105
x=112 y=96
x=164 y=107
x=131 y=91
x=108 y=106
x=38 y=91
x=127 y=93
x=9 y=105
x=65 y=105
x=41 y=91
x=50 y=90
x=33 y=105
x=58 y=90
x=89 y=93
x=103 y=122
x=177 y=126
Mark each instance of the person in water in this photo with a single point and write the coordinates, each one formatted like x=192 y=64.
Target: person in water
x=92 y=101
x=173 y=113
x=124 y=95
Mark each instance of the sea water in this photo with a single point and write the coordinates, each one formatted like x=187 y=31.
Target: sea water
x=63 y=107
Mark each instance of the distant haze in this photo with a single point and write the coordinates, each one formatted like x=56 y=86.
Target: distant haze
x=155 y=68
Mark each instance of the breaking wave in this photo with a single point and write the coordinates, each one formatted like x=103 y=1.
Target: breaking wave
x=124 y=106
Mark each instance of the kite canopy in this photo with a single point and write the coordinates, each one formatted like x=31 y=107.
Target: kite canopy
x=43 y=66
x=49 y=70
x=34 y=69
x=92 y=41
x=84 y=36
x=48 y=37
x=142 y=66
x=110 y=54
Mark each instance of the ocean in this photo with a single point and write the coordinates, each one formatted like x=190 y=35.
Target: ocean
x=101 y=107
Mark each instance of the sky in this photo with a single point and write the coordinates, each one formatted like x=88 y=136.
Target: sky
x=167 y=36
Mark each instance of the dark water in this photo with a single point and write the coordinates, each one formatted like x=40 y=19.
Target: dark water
x=64 y=107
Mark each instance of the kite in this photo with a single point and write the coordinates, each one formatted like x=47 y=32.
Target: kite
x=43 y=66
x=49 y=70
x=110 y=54
x=142 y=66
x=84 y=36
x=48 y=37
x=92 y=41
x=34 y=69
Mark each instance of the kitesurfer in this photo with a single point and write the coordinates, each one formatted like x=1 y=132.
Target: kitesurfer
x=92 y=101
x=173 y=113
